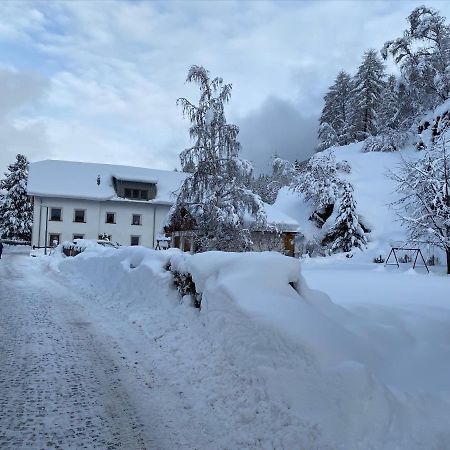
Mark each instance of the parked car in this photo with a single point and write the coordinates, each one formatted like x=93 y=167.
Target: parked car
x=91 y=242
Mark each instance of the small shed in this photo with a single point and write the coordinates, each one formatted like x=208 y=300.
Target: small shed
x=283 y=234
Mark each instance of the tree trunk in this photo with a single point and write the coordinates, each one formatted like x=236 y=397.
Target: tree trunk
x=447 y=250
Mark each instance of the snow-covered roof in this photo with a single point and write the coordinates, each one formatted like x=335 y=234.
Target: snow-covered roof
x=70 y=179
x=276 y=216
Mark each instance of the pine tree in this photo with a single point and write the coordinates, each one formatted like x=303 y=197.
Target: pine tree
x=16 y=210
x=263 y=186
x=366 y=96
x=215 y=196
x=335 y=113
x=389 y=110
x=347 y=232
x=283 y=174
x=327 y=137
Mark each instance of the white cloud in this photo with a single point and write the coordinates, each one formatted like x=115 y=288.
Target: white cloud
x=20 y=94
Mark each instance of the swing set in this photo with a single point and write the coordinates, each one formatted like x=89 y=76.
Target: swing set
x=416 y=254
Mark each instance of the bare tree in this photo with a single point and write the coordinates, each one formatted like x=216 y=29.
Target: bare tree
x=216 y=195
x=424 y=206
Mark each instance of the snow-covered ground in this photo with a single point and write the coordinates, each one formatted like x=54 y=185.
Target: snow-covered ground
x=266 y=364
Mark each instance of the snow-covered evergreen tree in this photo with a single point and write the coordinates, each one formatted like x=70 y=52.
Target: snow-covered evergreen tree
x=347 y=232
x=263 y=185
x=319 y=182
x=283 y=171
x=268 y=186
x=215 y=195
x=389 y=109
x=334 y=120
x=423 y=56
x=16 y=210
x=368 y=85
x=424 y=187
x=327 y=137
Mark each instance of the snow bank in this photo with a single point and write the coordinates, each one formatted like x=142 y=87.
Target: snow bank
x=268 y=362
x=16 y=248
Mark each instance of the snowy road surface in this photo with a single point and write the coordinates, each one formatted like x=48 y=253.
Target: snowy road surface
x=64 y=382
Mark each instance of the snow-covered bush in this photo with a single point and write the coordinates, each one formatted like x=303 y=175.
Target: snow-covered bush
x=344 y=166
x=185 y=285
x=388 y=141
x=314 y=247
x=379 y=259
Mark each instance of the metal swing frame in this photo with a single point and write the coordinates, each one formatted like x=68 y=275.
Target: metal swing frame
x=417 y=250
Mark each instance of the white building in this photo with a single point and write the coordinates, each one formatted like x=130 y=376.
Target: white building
x=74 y=200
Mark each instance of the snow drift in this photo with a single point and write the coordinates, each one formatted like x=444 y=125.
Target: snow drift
x=268 y=362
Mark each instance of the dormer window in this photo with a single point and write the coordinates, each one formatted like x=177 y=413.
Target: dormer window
x=135 y=190
x=136 y=194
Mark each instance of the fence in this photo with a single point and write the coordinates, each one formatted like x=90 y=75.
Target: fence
x=14 y=242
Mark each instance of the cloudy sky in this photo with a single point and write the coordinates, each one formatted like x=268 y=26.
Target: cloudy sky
x=98 y=80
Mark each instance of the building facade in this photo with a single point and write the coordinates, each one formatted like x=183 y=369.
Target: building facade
x=127 y=205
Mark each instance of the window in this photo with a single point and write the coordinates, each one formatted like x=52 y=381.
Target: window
x=135 y=240
x=136 y=194
x=56 y=214
x=136 y=220
x=54 y=239
x=110 y=217
x=78 y=236
x=79 y=216
x=104 y=237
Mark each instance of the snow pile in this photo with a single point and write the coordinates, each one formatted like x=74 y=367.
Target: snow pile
x=16 y=248
x=268 y=362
